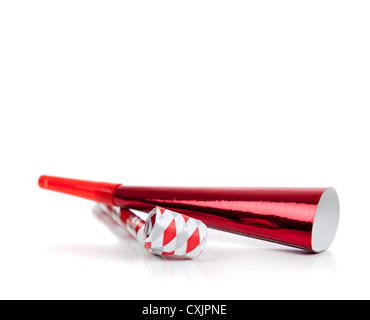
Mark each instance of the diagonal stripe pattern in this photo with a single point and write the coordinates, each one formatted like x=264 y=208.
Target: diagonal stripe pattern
x=165 y=232
x=169 y=233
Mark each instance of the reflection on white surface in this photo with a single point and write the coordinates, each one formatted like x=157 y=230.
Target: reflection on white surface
x=225 y=257
x=264 y=261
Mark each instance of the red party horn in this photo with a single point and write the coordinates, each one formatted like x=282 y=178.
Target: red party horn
x=306 y=218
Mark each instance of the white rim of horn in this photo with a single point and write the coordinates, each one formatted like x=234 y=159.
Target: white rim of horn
x=326 y=221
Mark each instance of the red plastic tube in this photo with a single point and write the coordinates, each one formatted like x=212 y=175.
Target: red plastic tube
x=97 y=191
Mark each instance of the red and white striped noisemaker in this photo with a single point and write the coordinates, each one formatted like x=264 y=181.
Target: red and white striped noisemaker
x=164 y=232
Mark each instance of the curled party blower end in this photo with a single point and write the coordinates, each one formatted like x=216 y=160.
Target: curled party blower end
x=305 y=218
x=164 y=233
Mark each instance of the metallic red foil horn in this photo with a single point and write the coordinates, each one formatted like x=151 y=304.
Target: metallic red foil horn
x=306 y=218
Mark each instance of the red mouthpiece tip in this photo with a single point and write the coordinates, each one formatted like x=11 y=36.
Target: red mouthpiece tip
x=97 y=191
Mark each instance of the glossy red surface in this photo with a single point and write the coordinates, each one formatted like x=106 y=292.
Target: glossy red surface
x=96 y=191
x=283 y=215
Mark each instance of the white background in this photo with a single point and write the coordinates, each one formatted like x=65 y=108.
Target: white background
x=191 y=93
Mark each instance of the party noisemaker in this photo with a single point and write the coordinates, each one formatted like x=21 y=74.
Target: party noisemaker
x=164 y=232
x=306 y=218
